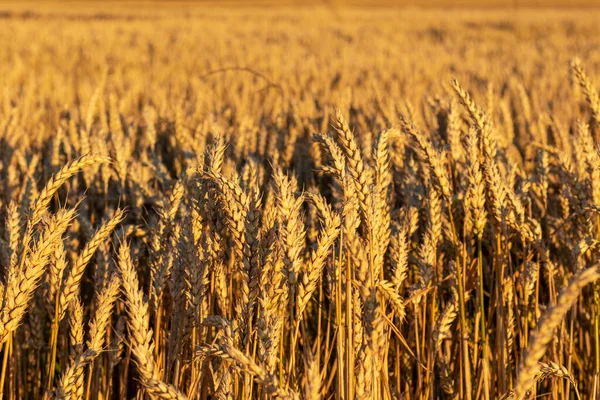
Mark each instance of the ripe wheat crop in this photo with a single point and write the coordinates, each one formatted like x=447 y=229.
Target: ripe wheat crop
x=258 y=203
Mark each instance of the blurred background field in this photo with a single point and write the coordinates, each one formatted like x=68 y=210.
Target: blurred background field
x=117 y=4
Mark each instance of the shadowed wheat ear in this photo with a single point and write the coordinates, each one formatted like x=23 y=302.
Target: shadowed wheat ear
x=548 y=371
x=554 y=370
x=552 y=318
x=241 y=361
x=312 y=381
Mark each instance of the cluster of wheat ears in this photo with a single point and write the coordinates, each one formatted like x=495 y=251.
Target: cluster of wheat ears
x=229 y=235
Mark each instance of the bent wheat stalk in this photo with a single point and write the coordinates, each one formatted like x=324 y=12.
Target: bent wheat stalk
x=530 y=366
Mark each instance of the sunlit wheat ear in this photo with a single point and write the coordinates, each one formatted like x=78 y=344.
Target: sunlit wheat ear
x=215 y=154
x=21 y=283
x=75 y=328
x=547 y=325
x=589 y=90
x=430 y=156
x=292 y=233
x=71 y=381
x=43 y=199
x=13 y=228
x=56 y=270
x=476 y=190
x=140 y=334
x=331 y=228
x=361 y=176
x=71 y=283
x=443 y=325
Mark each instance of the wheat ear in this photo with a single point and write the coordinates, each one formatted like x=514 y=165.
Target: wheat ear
x=140 y=332
x=552 y=318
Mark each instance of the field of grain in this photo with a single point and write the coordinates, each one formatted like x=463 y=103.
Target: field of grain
x=312 y=203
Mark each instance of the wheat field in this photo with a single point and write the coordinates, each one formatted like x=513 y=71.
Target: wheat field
x=299 y=203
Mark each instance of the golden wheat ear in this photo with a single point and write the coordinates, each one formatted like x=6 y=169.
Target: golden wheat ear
x=139 y=329
x=548 y=323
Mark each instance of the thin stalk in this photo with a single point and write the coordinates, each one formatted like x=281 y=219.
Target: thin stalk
x=596 y=348
x=349 y=332
x=418 y=349
x=157 y=341
x=53 y=343
x=341 y=388
x=485 y=361
x=501 y=366
x=596 y=325
x=89 y=380
x=463 y=319
x=6 y=346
